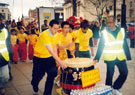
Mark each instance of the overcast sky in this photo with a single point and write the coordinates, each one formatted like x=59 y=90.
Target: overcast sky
x=23 y=6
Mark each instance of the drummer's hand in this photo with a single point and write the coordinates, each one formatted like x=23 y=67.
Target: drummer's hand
x=95 y=61
x=92 y=54
x=70 y=44
x=72 y=51
x=63 y=65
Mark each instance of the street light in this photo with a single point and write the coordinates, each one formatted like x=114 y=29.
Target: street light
x=114 y=8
x=123 y=15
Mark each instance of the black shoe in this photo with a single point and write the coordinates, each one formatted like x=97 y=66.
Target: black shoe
x=15 y=62
x=10 y=78
x=35 y=88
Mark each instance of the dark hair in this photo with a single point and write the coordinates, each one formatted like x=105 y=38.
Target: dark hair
x=64 y=23
x=52 y=22
x=32 y=31
x=13 y=30
x=19 y=24
x=45 y=20
x=72 y=26
x=84 y=24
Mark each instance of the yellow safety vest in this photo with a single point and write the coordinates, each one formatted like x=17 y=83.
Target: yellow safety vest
x=113 y=46
x=3 y=47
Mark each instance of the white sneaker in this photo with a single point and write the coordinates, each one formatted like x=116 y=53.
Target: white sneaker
x=116 y=92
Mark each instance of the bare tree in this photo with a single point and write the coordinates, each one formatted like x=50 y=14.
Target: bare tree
x=98 y=5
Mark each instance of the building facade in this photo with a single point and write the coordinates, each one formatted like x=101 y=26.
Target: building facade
x=4 y=10
x=86 y=10
x=33 y=14
x=130 y=10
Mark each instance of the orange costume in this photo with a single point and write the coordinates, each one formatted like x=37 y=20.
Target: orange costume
x=22 y=46
x=14 y=47
x=32 y=41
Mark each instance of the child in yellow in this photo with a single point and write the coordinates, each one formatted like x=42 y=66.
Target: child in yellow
x=14 y=45
x=32 y=38
x=22 y=38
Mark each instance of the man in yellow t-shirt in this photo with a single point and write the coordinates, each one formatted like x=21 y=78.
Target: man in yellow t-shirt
x=45 y=55
x=65 y=41
x=84 y=38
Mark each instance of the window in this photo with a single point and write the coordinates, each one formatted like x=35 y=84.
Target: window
x=131 y=3
x=131 y=13
x=8 y=16
x=35 y=14
x=4 y=15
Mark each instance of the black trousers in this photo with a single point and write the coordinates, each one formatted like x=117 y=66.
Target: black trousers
x=40 y=66
x=123 y=73
x=69 y=55
x=132 y=43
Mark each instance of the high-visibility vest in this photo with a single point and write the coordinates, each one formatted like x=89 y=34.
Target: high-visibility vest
x=113 y=46
x=3 y=46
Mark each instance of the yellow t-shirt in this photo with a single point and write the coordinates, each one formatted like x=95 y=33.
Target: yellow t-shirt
x=83 y=39
x=22 y=37
x=74 y=36
x=45 y=39
x=32 y=39
x=13 y=39
x=63 y=41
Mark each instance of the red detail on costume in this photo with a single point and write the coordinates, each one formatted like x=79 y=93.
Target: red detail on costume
x=30 y=51
x=70 y=86
x=15 y=52
x=23 y=51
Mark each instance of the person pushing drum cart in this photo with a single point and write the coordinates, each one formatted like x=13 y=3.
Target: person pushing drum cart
x=84 y=39
x=71 y=76
x=45 y=57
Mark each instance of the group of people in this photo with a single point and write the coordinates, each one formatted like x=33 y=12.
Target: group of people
x=14 y=38
x=49 y=53
x=50 y=49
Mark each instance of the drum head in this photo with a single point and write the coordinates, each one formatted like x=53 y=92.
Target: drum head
x=79 y=62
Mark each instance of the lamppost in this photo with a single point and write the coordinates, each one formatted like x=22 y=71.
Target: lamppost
x=74 y=7
x=114 y=8
x=123 y=15
x=22 y=8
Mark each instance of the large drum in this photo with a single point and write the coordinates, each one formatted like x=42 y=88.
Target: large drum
x=70 y=78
